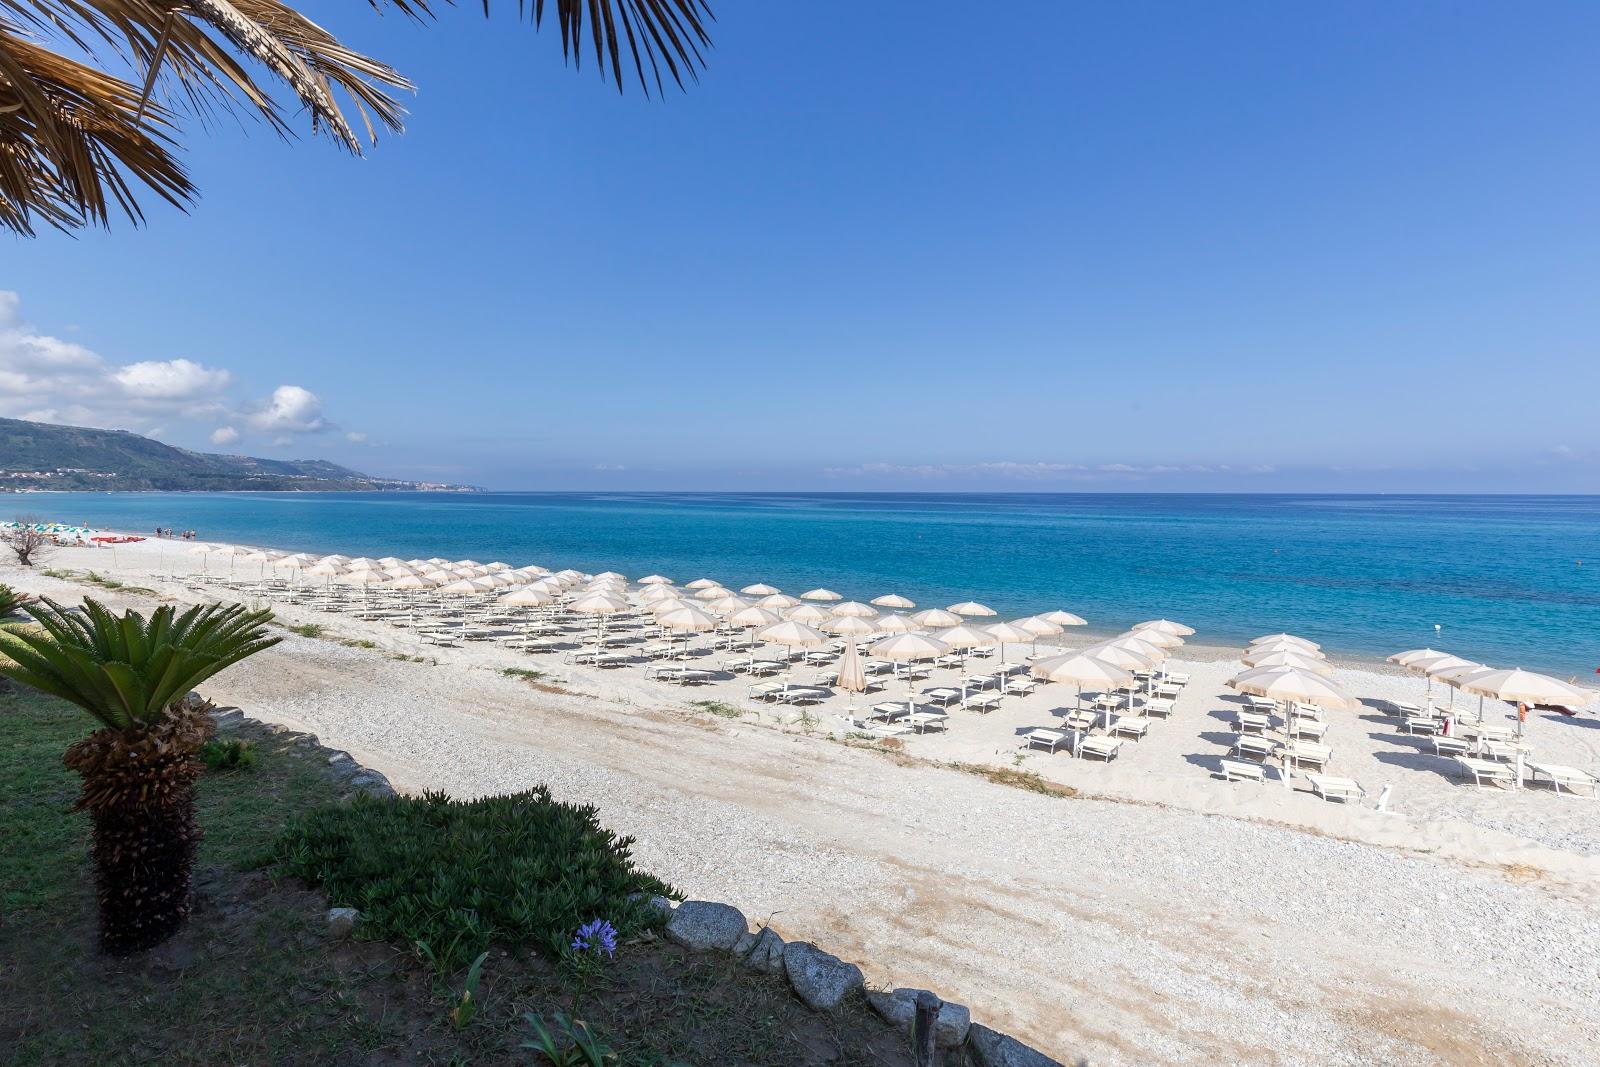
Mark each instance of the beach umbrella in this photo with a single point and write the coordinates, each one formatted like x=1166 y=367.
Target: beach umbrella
x=612 y=576
x=965 y=638
x=810 y=614
x=458 y=587
x=792 y=635
x=1293 y=639
x=1166 y=626
x=1517 y=686
x=850 y=626
x=1012 y=632
x=755 y=617
x=727 y=604
x=895 y=601
x=324 y=569
x=1062 y=618
x=411 y=582
x=855 y=609
x=820 y=594
x=711 y=592
x=655 y=579
x=702 y=583
x=1286 y=646
x=777 y=601
x=1286 y=659
x=908 y=648
x=1128 y=653
x=532 y=568
x=672 y=603
x=493 y=568
x=1404 y=659
x=335 y=558
x=1291 y=685
x=852 y=678
x=295 y=562
x=760 y=589
x=598 y=604
x=652 y=593
x=1441 y=661
x=1038 y=628
x=897 y=624
x=1158 y=638
x=525 y=598
x=971 y=608
x=1081 y=669
x=687 y=620
x=936 y=618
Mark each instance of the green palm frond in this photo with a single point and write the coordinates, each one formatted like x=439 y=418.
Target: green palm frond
x=128 y=670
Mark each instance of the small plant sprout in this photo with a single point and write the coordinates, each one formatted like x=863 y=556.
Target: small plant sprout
x=467 y=1007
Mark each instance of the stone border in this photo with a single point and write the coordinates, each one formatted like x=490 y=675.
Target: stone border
x=820 y=979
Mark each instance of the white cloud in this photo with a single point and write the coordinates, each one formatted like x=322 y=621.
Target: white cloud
x=356 y=437
x=293 y=409
x=47 y=379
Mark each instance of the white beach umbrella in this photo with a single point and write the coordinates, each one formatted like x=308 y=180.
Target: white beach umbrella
x=1517 y=686
x=726 y=605
x=778 y=601
x=972 y=608
x=1439 y=661
x=363 y=563
x=1286 y=659
x=1158 y=638
x=965 y=636
x=894 y=601
x=1128 y=653
x=1293 y=639
x=1286 y=646
x=335 y=558
x=294 y=562
x=792 y=635
x=937 y=618
x=702 y=583
x=459 y=587
x=908 y=648
x=898 y=624
x=655 y=579
x=856 y=609
x=1010 y=632
x=599 y=604
x=1288 y=684
x=755 y=617
x=820 y=594
x=612 y=576
x=1081 y=669
x=851 y=678
x=1039 y=627
x=324 y=569
x=711 y=592
x=1062 y=618
x=361 y=579
x=532 y=568
x=494 y=567
x=652 y=593
x=527 y=597
x=760 y=589
x=1166 y=626
x=687 y=620
x=1405 y=659
x=659 y=607
x=411 y=582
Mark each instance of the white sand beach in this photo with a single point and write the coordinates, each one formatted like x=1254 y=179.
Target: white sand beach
x=1160 y=916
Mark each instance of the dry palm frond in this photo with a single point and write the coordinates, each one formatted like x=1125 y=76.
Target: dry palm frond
x=72 y=138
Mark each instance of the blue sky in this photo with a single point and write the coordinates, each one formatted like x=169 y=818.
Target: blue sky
x=887 y=246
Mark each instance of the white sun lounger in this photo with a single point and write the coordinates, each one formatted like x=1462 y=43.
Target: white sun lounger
x=1482 y=771
x=1329 y=788
x=943 y=696
x=1311 y=752
x=1572 y=778
x=1133 y=726
x=1050 y=740
x=1161 y=706
x=800 y=694
x=1104 y=747
x=879 y=729
x=1420 y=724
x=1250 y=745
x=1236 y=771
x=981 y=702
x=763 y=690
x=923 y=721
x=1250 y=722
x=1450 y=746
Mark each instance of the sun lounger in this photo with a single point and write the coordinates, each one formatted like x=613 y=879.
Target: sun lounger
x=1570 y=778
x=879 y=729
x=890 y=710
x=1236 y=771
x=613 y=660
x=981 y=702
x=1420 y=724
x=1105 y=748
x=763 y=690
x=1450 y=746
x=1161 y=706
x=1504 y=751
x=1250 y=745
x=1021 y=686
x=1177 y=679
x=1261 y=704
x=943 y=697
x=1298 y=752
x=1406 y=708
x=1250 y=722
x=694 y=676
x=1310 y=729
x=1049 y=740
x=1482 y=771
x=1133 y=726
x=1079 y=719
x=800 y=694
x=1328 y=788
x=923 y=721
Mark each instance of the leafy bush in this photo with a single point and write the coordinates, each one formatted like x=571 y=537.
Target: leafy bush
x=449 y=876
x=228 y=755
x=306 y=629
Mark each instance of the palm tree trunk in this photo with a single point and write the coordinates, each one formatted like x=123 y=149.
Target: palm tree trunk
x=138 y=788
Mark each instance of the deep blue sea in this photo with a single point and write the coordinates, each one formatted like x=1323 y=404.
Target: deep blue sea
x=1500 y=577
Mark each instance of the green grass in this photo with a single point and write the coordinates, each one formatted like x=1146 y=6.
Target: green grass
x=306 y=629
x=1017 y=779
x=253 y=978
x=522 y=672
x=222 y=755
x=718 y=707
x=357 y=642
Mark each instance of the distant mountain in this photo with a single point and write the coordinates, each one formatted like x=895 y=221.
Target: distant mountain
x=37 y=455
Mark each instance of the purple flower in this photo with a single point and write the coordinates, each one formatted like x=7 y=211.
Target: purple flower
x=597 y=936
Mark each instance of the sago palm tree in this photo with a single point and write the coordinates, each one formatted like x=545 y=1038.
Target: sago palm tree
x=134 y=676
x=78 y=139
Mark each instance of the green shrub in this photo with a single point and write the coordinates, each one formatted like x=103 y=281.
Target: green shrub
x=448 y=876
x=306 y=629
x=228 y=755
x=717 y=707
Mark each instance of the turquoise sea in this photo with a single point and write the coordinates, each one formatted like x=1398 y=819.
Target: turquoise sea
x=1508 y=580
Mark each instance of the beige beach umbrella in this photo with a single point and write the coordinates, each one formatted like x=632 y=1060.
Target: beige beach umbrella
x=361 y=579
x=1158 y=638
x=1166 y=626
x=296 y=561
x=909 y=648
x=1124 y=657
x=792 y=635
x=687 y=620
x=1289 y=685
x=810 y=614
x=972 y=608
x=1440 y=662
x=760 y=589
x=673 y=603
x=702 y=583
x=655 y=579
x=600 y=605
x=855 y=609
x=755 y=617
x=1080 y=669
x=1405 y=659
x=778 y=601
x=1286 y=646
x=335 y=558
x=532 y=568
x=363 y=563
x=820 y=594
x=652 y=593
x=1148 y=649
x=437 y=561
x=1293 y=639
x=526 y=597
x=612 y=576
x=411 y=583
x=1039 y=627
x=324 y=569
x=851 y=678
x=965 y=636
x=1286 y=659
x=728 y=604
x=567 y=574
x=459 y=587
x=494 y=568
x=1517 y=686
x=898 y=624
x=1009 y=632
x=711 y=592
x=850 y=626
x=894 y=601
x=937 y=618
x=1063 y=618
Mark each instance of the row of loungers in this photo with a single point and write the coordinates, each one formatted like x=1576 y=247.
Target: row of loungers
x=1119 y=728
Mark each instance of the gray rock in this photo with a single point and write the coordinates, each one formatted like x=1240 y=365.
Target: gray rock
x=342 y=922
x=338 y=757
x=994 y=1049
x=704 y=925
x=765 y=953
x=822 y=980
x=900 y=1008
